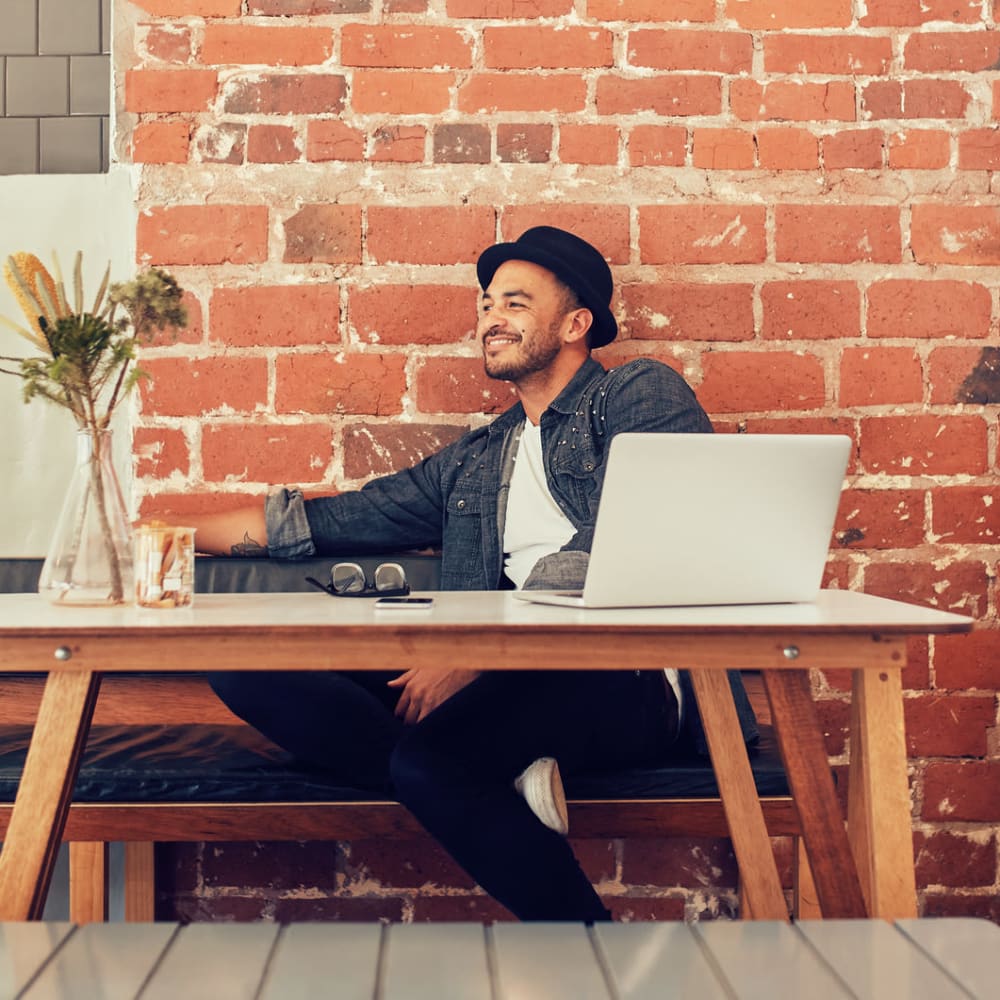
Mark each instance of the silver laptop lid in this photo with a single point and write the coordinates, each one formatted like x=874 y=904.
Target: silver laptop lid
x=715 y=519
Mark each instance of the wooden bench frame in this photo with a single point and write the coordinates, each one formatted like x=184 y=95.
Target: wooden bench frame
x=186 y=698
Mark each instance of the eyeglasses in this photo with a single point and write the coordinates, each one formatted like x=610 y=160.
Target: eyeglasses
x=348 y=579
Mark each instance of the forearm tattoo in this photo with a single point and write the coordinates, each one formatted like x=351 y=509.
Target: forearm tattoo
x=248 y=547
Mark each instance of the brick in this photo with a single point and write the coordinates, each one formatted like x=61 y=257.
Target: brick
x=979 y=149
x=968 y=662
x=950 y=858
x=327 y=234
x=396 y=863
x=363 y=909
x=651 y=10
x=287 y=8
x=413 y=314
x=741 y=382
x=327 y=383
x=168 y=43
x=790 y=100
x=776 y=15
x=928 y=309
x=690 y=863
x=965 y=375
x=179 y=387
x=879 y=376
x=962 y=791
x=405 y=6
x=174 y=506
x=837 y=234
x=459 y=385
x=202 y=234
x=919 y=149
x=951 y=52
x=440 y=234
x=273 y=144
x=287 y=94
x=378 y=449
x=462 y=143
x=161 y=142
x=191 y=334
x=222 y=908
x=913 y=13
x=688 y=311
x=377 y=91
x=331 y=139
x=854 y=149
x=526 y=143
x=244 y=45
x=485 y=93
x=167 y=90
x=880 y=519
x=605 y=226
x=723 y=149
x=266 y=453
x=478 y=908
x=670 y=95
x=709 y=51
x=521 y=9
x=948 y=585
x=787 y=149
x=195 y=8
x=593 y=144
x=955 y=234
x=959 y=904
x=965 y=515
x=275 y=315
x=160 y=452
x=542 y=47
x=632 y=908
x=399 y=143
x=224 y=143
x=924 y=444
x=810 y=310
x=828 y=54
x=409 y=46
x=279 y=865
x=657 y=146
x=702 y=234
x=939 y=725
x=920 y=98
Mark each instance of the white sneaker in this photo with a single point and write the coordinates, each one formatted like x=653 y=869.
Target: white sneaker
x=542 y=788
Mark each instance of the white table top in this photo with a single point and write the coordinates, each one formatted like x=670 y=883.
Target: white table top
x=833 y=611
x=944 y=959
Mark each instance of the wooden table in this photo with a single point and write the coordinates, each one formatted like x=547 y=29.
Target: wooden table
x=490 y=631
x=819 y=960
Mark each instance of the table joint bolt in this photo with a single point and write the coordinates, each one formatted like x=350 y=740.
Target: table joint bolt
x=63 y=653
x=791 y=652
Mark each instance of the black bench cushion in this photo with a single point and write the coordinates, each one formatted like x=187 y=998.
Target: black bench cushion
x=217 y=763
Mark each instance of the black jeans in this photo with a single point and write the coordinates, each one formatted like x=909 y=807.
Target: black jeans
x=455 y=769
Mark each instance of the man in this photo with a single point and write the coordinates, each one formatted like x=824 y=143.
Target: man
x=512 y=504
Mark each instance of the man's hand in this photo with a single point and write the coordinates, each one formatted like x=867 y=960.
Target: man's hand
x=423 y=690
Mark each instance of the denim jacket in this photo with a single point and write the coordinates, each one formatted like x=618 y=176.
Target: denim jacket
x=455 y=500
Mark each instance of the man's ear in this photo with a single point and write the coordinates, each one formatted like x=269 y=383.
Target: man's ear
x=580 y=322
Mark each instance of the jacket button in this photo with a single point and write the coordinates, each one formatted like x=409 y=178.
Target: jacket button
x=589 y=466
x=460 y=505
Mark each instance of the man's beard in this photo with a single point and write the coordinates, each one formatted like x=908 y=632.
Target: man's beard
x=521 y=360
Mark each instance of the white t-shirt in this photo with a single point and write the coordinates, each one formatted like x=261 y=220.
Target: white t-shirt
x=535 y=525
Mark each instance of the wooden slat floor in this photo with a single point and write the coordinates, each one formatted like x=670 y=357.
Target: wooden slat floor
x=919 y=959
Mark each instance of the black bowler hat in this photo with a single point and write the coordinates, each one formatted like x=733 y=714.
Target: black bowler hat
x=573 y=261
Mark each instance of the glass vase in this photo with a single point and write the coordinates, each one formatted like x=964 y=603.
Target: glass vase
x=89 y=562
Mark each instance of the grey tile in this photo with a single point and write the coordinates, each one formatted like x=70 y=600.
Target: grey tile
x=89 y=85
x=106 y=26
x=68 y=27
x=105 y=145
x=37 y=85
x=18 y=145
x=70 y=146
x=20 y=20
x=3 y=86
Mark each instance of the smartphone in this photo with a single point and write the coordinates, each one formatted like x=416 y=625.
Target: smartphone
x=404 y=602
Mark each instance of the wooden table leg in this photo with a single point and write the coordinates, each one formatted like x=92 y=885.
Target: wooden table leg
x=747 y=829
x=808 y=769
x=43 y=796
x=878 y=806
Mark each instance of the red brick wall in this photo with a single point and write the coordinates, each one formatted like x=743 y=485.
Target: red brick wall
x=799 y=204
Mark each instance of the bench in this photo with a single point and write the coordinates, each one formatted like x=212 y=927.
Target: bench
x=167 y=761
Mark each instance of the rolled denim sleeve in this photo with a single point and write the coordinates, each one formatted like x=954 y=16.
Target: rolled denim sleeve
x=288 y=533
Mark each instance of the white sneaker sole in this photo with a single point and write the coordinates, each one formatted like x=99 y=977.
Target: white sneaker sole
x=541 y=786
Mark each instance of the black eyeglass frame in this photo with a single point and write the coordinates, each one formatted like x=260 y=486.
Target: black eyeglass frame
x=369 y=589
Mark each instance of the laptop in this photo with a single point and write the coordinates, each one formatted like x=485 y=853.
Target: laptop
x=688 y=519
